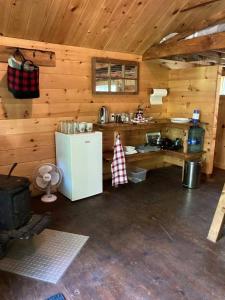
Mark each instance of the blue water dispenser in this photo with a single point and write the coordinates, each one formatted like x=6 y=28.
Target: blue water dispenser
x=196 y=139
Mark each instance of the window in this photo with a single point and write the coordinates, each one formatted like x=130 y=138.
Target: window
x=110 y=76
x=222 y=87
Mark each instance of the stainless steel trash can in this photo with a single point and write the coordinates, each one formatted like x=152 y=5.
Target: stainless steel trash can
x=191 y=174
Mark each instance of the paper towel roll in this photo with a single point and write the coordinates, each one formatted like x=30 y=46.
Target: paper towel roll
x=156 y=96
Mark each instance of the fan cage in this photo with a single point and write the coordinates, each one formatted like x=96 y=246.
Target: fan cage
x=37 y=173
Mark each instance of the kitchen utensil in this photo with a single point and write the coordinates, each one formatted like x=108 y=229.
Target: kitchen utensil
x=180 y=120
x=127 y=119
x=123 y=117
x=89 y=127
x=103 y=115
x=82 y=126
x=60 y=127
x=129 y=148
x=75 y=127
x=112 y=117
x=70 y=128
x=65 y=127
x=153 y=138
x=131 y=116
x=178 y=144
x=118 y=118
x=130 y=152
x=139 y=114
x=166 y=143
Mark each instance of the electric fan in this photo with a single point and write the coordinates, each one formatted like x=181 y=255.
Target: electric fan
x=46 y=177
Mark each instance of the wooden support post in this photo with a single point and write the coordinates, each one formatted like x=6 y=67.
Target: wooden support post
x=218 y=219
x=185 y=140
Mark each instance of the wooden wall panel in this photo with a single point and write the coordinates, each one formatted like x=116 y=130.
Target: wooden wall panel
x=27 y=126
x=220 y=137
x=196 y=88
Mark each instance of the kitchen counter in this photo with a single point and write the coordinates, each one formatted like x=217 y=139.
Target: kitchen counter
x=134 y=134
x=108 y=156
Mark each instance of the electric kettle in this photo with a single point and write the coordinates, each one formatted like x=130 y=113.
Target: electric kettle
x=103 y=115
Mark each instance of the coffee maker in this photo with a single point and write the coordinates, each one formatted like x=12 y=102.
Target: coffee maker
x=103 y=115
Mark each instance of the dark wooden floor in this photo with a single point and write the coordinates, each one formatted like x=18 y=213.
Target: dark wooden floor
x=147 y=241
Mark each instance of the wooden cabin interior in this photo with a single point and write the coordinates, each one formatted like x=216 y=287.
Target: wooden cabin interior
x=120 y=105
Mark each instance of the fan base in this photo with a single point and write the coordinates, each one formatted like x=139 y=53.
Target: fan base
x=48 y=198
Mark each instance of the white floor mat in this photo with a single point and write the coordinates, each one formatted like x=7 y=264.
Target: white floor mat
x=45 y=257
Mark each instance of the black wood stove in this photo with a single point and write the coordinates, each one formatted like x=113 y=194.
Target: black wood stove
x=16 y=219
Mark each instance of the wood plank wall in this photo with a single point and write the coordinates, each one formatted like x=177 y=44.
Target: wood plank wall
x=219 y=161
x=27 y=126
x=196 y=88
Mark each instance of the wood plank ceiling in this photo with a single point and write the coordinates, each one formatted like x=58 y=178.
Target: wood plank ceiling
x=117 y=25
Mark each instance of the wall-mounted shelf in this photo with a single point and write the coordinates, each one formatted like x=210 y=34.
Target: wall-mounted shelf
x=39 y=57
x=161 y=123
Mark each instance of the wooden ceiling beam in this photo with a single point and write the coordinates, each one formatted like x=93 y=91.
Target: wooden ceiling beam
x=172 y=64
x=221 y=51
x=213 y=20
x=191 y=58
x=213 y=54
x=205 y=3
x=204 y=58
x=200 y=44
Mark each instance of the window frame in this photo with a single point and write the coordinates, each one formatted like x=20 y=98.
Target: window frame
x=110 y=61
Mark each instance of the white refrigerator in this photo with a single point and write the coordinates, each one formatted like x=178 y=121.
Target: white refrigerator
x=80 y=158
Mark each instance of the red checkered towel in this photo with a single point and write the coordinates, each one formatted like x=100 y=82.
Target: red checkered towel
x=118 y=166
